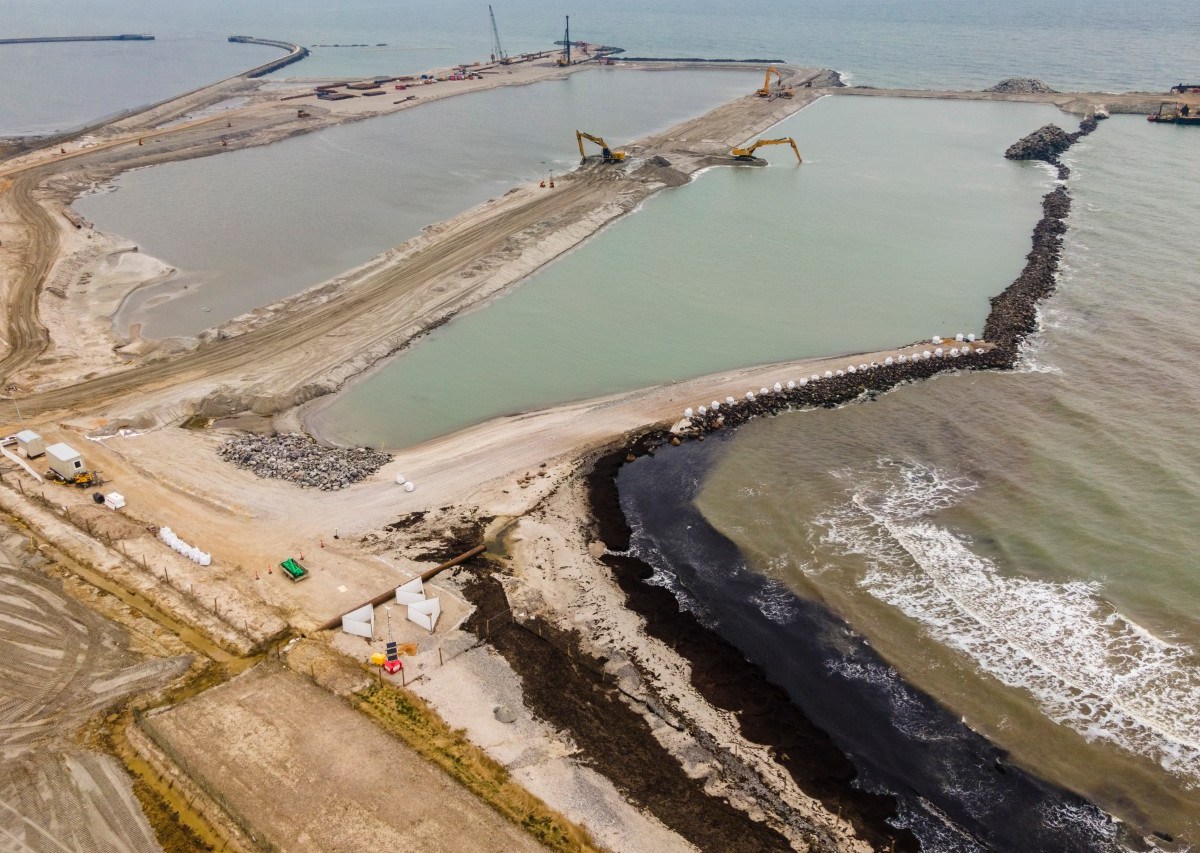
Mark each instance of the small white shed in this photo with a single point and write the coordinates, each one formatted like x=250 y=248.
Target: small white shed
x=65 y=461
x=30 y=444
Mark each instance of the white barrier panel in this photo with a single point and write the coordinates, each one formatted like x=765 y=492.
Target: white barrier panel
x=411 y=592
x=425 y=613
x=360 y=622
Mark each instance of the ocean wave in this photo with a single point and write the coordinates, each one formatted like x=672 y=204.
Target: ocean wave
x=1088 y=666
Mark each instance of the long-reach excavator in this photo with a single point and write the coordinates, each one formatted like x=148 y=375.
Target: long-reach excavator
x=748 y=153
x=607 y=153
x=780 y=91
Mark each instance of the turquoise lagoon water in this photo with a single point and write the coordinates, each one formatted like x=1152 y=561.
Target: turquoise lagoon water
x=902 y=220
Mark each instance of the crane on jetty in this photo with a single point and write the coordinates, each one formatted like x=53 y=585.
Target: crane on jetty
x=565 y=59
x=498 y=54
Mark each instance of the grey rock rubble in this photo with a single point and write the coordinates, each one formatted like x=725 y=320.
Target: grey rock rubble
x=299 y=459
x=1045 y=143
x=1022 y=86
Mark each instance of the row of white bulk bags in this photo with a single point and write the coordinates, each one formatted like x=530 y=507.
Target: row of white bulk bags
x=193 y=553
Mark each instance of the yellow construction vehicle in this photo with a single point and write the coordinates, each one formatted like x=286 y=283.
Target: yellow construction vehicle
x=607 y=153
x=780 y=91
x=82 y=480
x=748 y=153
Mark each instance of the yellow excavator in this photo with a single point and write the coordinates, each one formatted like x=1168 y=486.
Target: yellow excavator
x=607 y=153
x=748 y=153
x=780 y=91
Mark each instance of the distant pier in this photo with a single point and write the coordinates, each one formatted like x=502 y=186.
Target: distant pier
x=295 y=54
x=45 y=39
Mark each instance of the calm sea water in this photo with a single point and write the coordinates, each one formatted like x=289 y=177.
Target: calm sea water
x=265 y=223
x=1075 y=44
x=1023 y=545
x=902 y=220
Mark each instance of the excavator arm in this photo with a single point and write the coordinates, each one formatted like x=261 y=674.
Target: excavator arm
x=607 y=153
x=766 y=86
x=748 y=153
x=780 y=91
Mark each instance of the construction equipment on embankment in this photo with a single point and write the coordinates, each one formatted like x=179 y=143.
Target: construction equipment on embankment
x=781 y=91
x=608 y=155
x=747 y=154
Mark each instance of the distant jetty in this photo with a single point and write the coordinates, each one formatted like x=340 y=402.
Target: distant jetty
x=700 y=59
x=295 y=54
x=44 y=39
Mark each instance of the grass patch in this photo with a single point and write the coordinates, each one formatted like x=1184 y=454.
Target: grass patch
x=407 y=716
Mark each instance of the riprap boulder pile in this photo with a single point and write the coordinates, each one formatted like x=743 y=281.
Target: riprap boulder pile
x=299 y=459
x=1045 y=143
x=1022 y=86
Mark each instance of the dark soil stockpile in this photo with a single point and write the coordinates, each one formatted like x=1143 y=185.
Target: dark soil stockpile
x=569 y=690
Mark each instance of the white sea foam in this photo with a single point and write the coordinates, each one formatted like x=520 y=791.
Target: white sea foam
x=1088 y=666
x=776 y=602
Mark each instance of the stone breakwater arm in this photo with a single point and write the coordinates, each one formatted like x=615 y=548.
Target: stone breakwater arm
x=295 y=54
x=1013 y=316
x=50 y=39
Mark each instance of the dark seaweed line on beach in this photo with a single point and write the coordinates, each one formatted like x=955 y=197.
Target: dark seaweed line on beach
x=719 y=671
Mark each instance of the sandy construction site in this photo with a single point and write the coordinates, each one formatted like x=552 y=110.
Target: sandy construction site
x=306 y=749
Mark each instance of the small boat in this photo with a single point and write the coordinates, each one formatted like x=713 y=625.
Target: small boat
x=1174 y=113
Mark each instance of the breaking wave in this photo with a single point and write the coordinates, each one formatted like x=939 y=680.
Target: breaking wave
x=1088 y=666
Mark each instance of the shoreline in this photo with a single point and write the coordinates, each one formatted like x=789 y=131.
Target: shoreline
x=716 y=664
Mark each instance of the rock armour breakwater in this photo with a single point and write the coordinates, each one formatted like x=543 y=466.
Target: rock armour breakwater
x=54 y=39
x=1013 y=316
